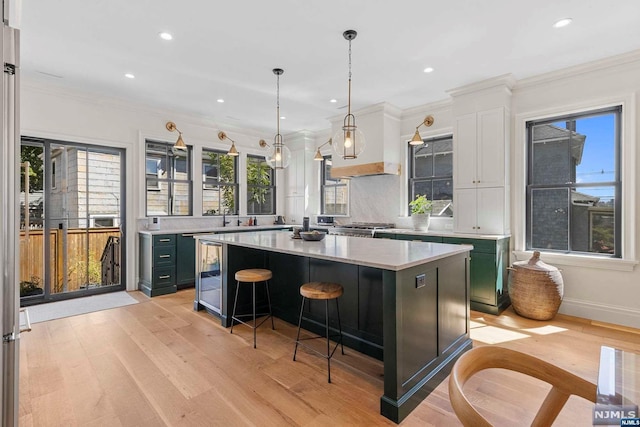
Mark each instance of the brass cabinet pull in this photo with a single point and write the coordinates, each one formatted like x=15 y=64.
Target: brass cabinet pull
x=164 y=240
x=166 y=276
x=165 y=256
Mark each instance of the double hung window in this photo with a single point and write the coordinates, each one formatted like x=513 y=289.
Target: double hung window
x=219 y=183
x=431 y=173
x=168 y=180
x=574 y=183
x=334 y=192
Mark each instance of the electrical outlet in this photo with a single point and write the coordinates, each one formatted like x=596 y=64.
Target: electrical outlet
x=420 y=281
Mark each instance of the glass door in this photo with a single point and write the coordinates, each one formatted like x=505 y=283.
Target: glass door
x=72 y=244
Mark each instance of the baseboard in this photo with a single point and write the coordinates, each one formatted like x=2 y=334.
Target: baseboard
x=603 y=313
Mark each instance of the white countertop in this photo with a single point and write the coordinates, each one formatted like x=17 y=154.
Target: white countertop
x=442 y=233
x=378 y=253
x=211 y=230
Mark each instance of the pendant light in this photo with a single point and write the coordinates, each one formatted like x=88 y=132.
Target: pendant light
x=232 y=151
x=417 y=139
x=278 y=156
x=179 y=145
x=349 y=142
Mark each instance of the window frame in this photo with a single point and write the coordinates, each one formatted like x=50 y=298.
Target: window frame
x=412 y=179
x=324 y=185
x=170 y=181
x=218 y=183
x=271 y=186
x=617 y=183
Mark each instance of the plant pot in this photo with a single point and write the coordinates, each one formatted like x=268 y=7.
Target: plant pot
x=421 y=221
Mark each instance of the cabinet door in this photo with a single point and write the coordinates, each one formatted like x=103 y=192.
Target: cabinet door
x=464 y=212
x=491 y=148
x=295 y=174
x=483 y=278
x=186 y=261
x=294 y=209
x=490 y=206
x=464 y=151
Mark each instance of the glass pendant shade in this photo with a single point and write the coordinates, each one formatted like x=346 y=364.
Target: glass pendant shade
x=278 y=156
x=349 y=142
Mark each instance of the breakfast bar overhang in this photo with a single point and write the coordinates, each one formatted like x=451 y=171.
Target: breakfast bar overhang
x=405 y=303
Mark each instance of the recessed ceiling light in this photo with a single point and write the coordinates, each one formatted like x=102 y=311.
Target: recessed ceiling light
x=562 y=23
x=166 y=36
x=428 y=70
x=333 y=101
x=220 y=100
x=283 y=118
x=130 y=76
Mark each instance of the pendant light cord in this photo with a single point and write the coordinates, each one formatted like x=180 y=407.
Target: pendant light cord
x=278 y=105
x=349 y=103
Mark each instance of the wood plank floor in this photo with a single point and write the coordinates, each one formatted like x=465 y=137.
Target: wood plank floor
x=159 y=363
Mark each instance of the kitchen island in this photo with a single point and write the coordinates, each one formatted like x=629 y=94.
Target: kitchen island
x=405 y=303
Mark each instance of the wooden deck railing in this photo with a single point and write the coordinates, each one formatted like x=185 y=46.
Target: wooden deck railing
x=80 y=271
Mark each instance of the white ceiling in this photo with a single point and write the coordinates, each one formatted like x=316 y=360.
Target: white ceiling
x=227 y=49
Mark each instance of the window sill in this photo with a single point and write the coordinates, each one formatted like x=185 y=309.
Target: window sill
x=586 y=261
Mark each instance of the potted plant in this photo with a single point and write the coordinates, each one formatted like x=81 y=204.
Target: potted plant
x=421 y=212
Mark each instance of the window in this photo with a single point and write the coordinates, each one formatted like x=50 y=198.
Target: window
x=431 y=173
x=219 y=183
x=261 y=188
x=574 y=183
x=168 y=180
x=334 y=192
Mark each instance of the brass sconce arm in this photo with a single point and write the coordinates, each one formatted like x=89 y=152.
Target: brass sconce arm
x=417 y=139
x=232 y=151
x=318 y=157
x=180 y=145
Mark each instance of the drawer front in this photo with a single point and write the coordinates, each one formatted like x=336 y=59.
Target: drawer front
x=165 y=276
x=479 y=245
x=164 y=256
x=164 y=240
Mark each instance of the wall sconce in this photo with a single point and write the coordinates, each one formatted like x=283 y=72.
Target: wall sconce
x=232 y=151
x=180 y=145
x=417 y=139
x=349 y=142
x=318 y=157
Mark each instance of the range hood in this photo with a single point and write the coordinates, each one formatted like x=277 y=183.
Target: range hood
x=380 y=124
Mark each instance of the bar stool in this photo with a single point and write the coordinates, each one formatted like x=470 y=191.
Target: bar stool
x=252 y=275
x=321 y=291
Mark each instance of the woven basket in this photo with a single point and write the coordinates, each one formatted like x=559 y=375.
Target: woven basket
x=535 y=288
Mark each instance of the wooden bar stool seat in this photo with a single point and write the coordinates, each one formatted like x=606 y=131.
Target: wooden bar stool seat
x=322 y=291
x=253 y=276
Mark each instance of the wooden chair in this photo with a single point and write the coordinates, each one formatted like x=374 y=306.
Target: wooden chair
x=477 y=359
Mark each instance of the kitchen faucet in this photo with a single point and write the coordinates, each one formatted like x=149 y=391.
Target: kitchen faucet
x=224 y=218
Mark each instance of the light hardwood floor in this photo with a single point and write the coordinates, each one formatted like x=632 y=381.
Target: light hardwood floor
x=160 y=363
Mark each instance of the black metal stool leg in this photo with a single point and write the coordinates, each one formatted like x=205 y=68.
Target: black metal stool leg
x=235 y=301
x=298 y=336
x=326 y=323
x=339 y=325
x=273 y=326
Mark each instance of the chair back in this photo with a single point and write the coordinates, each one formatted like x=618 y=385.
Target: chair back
x=564 y=383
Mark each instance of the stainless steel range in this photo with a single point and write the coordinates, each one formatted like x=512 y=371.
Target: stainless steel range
x=360 y=229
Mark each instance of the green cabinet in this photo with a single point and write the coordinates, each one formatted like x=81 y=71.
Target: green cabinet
x=487 y=265
x=185 y=261
x=157 y=264
x=488 y=271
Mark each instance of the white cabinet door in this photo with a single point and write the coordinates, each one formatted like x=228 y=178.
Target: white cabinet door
x=479 y=211
x=490 y=152
x=464 y=210
x=294 y=209
x=295 y=174
x=490 y=205
x=464 y=151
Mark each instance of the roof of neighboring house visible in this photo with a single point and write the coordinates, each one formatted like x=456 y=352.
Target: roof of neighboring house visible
x=551 y=133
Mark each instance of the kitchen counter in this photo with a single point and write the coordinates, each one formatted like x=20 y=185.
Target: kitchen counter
x=405 y=303
x=441 y=233
x=392 y=255
x=212 y=230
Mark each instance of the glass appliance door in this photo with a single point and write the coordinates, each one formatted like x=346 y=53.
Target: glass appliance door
x=209 y=277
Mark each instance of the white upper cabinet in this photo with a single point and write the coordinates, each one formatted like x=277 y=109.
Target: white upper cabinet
x=480 y=149
x=295 y=174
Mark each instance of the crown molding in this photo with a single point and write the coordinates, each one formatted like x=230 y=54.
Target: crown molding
x=506 y=81
x=587 y=67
